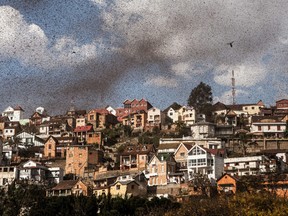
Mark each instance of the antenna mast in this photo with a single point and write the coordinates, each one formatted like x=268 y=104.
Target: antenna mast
x=233 y=88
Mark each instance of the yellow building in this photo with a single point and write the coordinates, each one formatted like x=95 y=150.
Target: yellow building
x=125 y=188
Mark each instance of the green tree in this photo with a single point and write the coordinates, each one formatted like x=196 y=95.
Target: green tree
x=201 y=99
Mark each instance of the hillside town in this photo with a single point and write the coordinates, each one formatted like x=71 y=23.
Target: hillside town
x=140 y=150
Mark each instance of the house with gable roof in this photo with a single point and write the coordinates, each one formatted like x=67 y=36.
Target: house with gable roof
x=11 y=128
x=172 y=112
x=32 y=171
x=28 y=139
x=14 y=114
x=209 y=162
x=228 y=184
x=181 y=155
x=52 y=149
x=162 y=170
x=136 y=156
x=68 y=188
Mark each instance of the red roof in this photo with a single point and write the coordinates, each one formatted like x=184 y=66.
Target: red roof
x=215 y=151
x=83 y=128
x=101 y=111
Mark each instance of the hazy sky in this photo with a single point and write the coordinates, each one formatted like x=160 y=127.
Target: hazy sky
x=89 y=54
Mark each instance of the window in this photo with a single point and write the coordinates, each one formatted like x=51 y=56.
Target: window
x=132 y=187
x=253 y=108
x=117 y=187
x=192 y=162
x=162 y=168
x=91 y=117
x=80 y=155
x=197 y=151
x=201 y=162
x=171 y=113
x=182 y=154
x=49 y=146
x=269 y=127
x=278 y=127
x=259 y=128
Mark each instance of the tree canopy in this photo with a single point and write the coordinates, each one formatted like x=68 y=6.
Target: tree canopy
x=201 y=98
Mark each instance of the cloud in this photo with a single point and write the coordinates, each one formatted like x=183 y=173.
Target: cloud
x=245 y=75
x=191 y=38
x=29 y=44
x=161 y=81
x=226 y=97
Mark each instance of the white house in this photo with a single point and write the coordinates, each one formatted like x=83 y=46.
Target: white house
x=205 y=161
x=202 y=130
x=251 y=165
x=55 y=174
x=269 y=126
x=7 y=174
x=154 y=117
x=28 y=139
x=189 y=116
x=14 y=114
x=111 y=110
x=32 y=171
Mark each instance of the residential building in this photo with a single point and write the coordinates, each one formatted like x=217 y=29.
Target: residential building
x=54 y=127
x=189 y=115
x=101 y=119
x=155 y=118
x=181 y=155
x=28 y=139
x=81 y=132
x=38 y=117
x=136 y=156
x=14 y=114
x=8 y=174
x=250 y=165
x=11 y=129
x=80 y=158
x=161 y=170
x=68 y=188
x=172 y=112
x=228 y=184
x=81 y=121
x=129 y=184
x=269 y=126
x=32 y=171
x=205 y=161
x=125 y=189
x=282 y=104
x=202 y=130
x=136 y=120
x=55 y=175
x=53 y=149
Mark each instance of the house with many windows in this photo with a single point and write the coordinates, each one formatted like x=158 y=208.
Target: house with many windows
x=205 y=161
x=250 y=165
x=269 y=126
